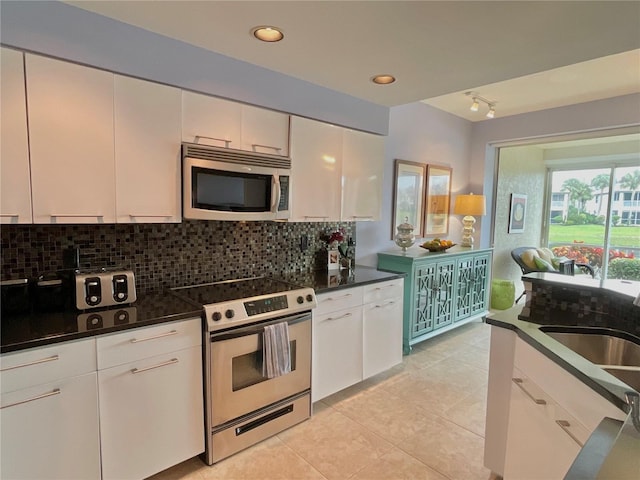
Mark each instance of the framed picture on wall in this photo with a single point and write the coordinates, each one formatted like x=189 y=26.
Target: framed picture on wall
x=517 y=213
x=408 y=195
x=438 y=199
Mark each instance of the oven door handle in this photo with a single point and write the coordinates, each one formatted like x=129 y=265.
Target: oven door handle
x=258 y=328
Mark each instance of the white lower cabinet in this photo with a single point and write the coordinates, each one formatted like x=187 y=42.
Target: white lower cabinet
x=542 y=440
x=151 y=408
x=49 y=413
x=357 y=333
x=51 y=431
x=337 y=352
x=538 y=414
x=382 y=327
x=151 y=414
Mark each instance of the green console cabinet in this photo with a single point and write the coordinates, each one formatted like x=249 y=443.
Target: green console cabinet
x=442 y=290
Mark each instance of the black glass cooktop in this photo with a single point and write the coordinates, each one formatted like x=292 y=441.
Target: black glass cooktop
x=210 y=293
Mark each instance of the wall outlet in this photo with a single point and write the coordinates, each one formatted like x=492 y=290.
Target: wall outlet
x=304 y=243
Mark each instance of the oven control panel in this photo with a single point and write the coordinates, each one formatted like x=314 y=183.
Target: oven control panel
x=248 y=310
x=265 y=305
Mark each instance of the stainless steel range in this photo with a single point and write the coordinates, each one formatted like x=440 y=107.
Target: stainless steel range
x=244 y=404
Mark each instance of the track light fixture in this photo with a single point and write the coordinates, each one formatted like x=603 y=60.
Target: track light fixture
x=476 y=104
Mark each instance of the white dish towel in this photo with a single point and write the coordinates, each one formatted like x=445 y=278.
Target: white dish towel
x=276 y=355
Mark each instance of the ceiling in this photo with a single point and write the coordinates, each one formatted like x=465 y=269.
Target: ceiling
x=522 y=55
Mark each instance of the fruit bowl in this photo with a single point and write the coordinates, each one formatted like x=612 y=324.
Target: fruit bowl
x=436 y=248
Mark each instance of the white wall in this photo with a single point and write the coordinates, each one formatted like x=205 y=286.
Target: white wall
x=521 y=170
x=424 y=134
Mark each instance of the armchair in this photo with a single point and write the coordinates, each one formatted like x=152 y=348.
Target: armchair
x=528 y=264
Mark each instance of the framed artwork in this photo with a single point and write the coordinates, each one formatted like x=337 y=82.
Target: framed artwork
x=438 y=200
x=333 y=259
x=408 y=195
x=517 y=213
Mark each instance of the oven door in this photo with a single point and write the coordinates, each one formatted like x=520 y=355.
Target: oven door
x=237 y=384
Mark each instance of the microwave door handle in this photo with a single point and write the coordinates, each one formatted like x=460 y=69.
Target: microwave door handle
x=276 y=194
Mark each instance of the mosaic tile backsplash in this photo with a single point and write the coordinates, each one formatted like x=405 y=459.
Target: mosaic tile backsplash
x=170 y=255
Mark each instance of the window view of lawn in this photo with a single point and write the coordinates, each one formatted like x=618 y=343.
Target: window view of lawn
x=578 y=219
x=594 y=235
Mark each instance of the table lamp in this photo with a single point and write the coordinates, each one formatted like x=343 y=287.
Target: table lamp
x=469 y=205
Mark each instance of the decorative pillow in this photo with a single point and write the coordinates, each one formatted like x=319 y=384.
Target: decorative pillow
x=528 y=257
x=545 y=254
x=555 y=262
x=543 y=265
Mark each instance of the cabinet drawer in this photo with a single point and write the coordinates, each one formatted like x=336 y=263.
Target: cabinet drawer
x=330 y=302
x=41 y=365
x=567 y=390
x=139 y=343
x=383 y=290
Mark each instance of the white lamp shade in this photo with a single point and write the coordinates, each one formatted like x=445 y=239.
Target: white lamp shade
x=470 y=205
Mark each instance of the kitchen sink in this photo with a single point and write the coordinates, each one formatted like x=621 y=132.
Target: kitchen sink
x=614 y=351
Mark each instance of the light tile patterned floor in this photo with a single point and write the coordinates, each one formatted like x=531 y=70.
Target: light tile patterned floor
x=423 y=419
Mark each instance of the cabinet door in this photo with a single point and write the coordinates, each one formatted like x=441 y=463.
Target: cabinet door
x=480 y=283
x=382 y=330
x=71 y=138
x=211 y=121
x=151 y=414
x=337 y=351
x=15 y=181
x=537 y=447
x=443 y=298
x=51 y=431
x=264 y=131
x=147 y=151
x=316 y=164
x=362 y=165
x=472 y=286
x=422 y=320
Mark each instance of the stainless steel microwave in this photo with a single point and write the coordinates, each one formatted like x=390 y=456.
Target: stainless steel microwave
x=226 y=184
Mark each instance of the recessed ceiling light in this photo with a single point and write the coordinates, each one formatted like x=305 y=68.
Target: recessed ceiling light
x=268 y=34
x=383 y=79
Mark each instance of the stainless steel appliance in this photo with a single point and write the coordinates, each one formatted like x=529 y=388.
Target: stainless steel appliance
x=227 y=184
x=103 y=288
x=243 y=406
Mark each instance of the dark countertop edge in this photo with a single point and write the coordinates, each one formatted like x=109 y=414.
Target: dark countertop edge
x=68 y=337
x=596 y=378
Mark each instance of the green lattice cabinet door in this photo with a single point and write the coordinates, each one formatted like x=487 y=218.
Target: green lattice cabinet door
x=480 y=284
x=424 y=283
x=464 y=285
x=444 y=294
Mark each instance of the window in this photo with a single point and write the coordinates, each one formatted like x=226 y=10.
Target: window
x=591 y=229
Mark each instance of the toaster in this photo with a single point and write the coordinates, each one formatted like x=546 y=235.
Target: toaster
x=104 y=289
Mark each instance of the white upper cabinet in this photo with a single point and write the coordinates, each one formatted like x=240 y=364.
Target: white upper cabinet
x=223 y=123
x=147 y=151
x=72 y=142
x=264 y=131
x=362 y=166
x=211 y=121
x=15 y=182
x=316 y=166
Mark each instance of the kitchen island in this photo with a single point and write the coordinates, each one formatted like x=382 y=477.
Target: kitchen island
x=578 y=411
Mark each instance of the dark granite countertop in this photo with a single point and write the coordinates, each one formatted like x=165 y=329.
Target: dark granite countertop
x=324 y=281
x=19 y=332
